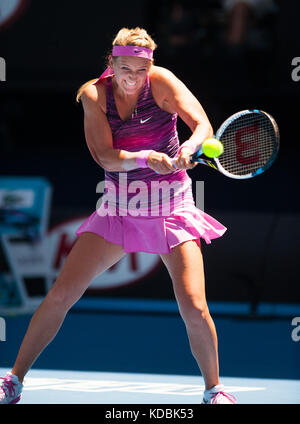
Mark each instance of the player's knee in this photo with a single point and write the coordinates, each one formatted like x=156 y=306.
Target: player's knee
x=196 y=315
x=60 y=298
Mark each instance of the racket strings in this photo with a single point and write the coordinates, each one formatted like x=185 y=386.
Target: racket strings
x=249 y=144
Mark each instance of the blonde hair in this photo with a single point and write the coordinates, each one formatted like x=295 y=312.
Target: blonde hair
x=134 y=37
x=125 y=37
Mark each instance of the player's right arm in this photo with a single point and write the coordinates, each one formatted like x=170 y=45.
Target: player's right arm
x=97 y=129
x=99 y=136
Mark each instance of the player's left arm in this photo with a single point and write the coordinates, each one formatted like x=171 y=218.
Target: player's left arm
x=172 y=95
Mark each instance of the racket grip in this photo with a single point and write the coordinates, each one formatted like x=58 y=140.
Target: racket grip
x=195 y=156
x=173 y=162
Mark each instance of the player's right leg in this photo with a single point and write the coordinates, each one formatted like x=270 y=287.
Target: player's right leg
x=90 y=256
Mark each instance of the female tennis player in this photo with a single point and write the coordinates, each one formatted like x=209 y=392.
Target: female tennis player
x=130 y=116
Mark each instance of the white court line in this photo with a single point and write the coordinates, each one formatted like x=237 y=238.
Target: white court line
x=97 y=386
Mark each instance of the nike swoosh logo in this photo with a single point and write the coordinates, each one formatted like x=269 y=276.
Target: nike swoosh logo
x=145 y=120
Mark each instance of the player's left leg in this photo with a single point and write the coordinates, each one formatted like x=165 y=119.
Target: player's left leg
x=185 y=266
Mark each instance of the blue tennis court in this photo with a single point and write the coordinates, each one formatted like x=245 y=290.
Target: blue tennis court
x=79 y=387
x=129 y=351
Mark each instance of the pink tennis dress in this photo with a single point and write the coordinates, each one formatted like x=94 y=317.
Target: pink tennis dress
x=141 y=210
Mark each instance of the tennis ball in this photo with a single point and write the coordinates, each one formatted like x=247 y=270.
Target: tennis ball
x=212 y=148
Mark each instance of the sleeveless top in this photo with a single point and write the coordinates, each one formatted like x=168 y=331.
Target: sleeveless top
x=149 y=127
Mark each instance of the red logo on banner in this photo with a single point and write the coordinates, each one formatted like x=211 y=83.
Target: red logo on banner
x=246 y=139
x=131 y=268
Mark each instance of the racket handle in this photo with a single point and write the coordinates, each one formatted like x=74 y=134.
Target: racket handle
x=193 y=157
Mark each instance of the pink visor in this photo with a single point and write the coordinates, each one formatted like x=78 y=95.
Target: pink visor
x=132 y=51
x=126 y=51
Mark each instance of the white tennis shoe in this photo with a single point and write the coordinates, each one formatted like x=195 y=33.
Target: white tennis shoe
x=217 y=395
x=10 y=389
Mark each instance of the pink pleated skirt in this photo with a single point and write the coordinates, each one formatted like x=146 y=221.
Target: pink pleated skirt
x=155 y=234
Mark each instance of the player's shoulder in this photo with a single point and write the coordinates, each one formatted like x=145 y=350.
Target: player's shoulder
x=90 y=91
x=164 y=85
x=158 y=74
x=163 y=81
x=93 y=94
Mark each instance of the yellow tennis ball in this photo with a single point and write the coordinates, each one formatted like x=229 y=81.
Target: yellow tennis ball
x=212 y=148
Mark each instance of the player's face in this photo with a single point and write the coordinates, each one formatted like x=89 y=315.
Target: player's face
x=130 y=72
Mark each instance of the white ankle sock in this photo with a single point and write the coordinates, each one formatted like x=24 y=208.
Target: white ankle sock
x=215 y=389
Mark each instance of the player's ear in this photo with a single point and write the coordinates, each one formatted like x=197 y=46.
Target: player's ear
x=110 y=61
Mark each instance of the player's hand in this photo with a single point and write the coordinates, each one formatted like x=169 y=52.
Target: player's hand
x=182 y=161
x=160 y=163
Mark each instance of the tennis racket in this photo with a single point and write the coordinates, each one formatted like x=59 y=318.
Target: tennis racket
x=250 y=140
